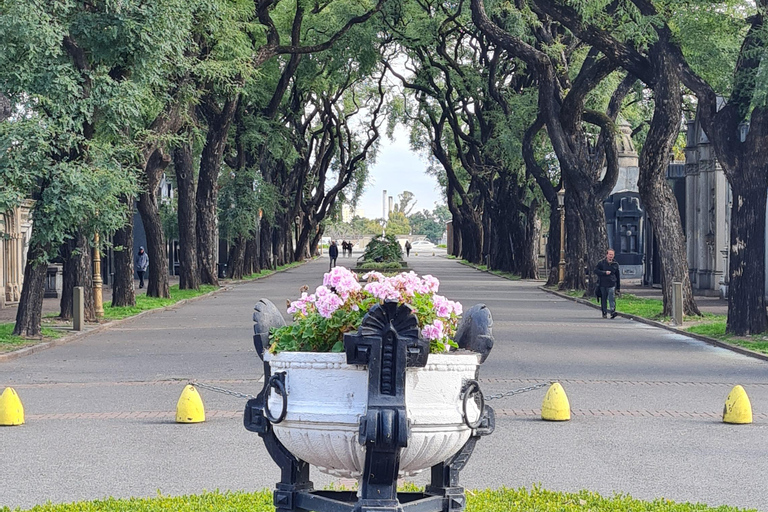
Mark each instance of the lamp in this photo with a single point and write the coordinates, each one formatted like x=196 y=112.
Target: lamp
x=561 y=266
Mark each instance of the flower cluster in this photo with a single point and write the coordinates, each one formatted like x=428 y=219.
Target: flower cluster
x=340 y=303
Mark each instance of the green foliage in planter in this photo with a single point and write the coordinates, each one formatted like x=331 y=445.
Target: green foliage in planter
x=489 y=500
x=383 y=249
x=374 y=265
x=316 y=333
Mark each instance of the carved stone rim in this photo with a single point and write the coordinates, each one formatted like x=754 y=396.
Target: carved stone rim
x=451 y=361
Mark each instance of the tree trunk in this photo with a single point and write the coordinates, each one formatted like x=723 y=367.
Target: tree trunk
x=77 y=271
x=30 y=310
x=553 y=244
x=236 y=261
x=123 y=293
x=575 y=245
x=471 y=236
x=529 y=260
x=265 y=245
x=251 y=257
x=746 y=291
x=189 y=277
x=302 y=244
x=207 y=191
x=157 y=249
x=658 y=199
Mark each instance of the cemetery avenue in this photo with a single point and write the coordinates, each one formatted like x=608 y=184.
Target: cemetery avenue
x=646 y=403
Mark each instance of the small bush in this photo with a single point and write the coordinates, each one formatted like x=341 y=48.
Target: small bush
x=383 y=249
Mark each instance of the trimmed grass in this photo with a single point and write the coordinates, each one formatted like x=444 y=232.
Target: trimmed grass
x=144 y=303
x=9 y=342
x=265 y=273
x=498 y=500
x=712 y=326
x=484 y=268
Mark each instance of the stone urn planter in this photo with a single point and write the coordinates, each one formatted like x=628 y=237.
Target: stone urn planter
x=327 y=398
x=382 y=409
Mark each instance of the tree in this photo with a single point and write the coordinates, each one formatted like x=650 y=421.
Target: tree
x=406 y=202
x=398 y=224
x=68 y=151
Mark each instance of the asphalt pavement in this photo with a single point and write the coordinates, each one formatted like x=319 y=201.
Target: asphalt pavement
x=647 y=403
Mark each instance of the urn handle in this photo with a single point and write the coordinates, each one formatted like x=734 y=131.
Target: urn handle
x=276 y=382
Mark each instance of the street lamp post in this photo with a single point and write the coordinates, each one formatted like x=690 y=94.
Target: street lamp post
x=97 y=281
x=561 y=266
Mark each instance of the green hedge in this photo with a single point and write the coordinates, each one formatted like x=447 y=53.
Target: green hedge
x=499 y=500
x=373 y=265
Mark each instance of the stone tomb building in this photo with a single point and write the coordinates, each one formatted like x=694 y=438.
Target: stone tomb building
x=15 y=231
x=707 y=215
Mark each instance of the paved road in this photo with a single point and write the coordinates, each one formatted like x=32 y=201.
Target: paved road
x=647 y=403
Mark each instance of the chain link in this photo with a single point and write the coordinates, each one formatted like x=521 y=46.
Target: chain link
x=221 y=390
x=506 y=394
x=517 y=391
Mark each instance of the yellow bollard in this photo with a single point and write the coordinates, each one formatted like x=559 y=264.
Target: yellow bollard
x=555 y=406
x=190 y=407
x=738 y=408
x=11 y=409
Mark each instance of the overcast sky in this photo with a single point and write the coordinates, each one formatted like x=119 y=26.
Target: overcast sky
x=398 y=169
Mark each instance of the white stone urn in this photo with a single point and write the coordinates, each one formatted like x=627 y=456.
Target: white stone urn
x=326 y=398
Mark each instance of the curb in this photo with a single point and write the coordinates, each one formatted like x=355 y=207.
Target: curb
x=700 y=337
x=68 y=338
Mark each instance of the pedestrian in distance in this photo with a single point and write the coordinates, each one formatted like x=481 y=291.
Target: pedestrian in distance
x=333 y=252
x=344 y=248
x=609 y=282
x=407 y=248
x=142 y=264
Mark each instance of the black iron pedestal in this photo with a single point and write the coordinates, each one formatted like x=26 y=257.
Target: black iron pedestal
x=387 y=343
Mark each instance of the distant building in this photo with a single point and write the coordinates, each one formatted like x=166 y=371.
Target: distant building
x=348 y=213
x=15 y=232
x=624 y=215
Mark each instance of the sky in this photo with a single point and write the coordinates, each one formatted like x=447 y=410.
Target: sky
x=398 y=169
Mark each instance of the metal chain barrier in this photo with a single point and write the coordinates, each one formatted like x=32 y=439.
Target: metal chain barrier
x=487 y=398
x=518 y=391
x=221 y=390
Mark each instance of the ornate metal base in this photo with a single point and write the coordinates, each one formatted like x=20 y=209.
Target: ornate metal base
x=388 y=341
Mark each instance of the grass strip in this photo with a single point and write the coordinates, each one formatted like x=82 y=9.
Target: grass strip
x=710 y=325
x=10 y=342
x=484 y=268
x=144 y=303
x=498 y=500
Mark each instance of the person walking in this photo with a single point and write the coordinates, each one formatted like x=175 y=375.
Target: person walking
x=142 y=263
x=333 y=252
x=407 y=248
x=609 y=281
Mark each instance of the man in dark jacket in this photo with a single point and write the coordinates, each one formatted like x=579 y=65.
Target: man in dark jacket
x=333 y=252
x=608 y=279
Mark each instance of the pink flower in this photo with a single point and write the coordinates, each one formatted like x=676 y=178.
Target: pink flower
x=343 y=281
x=442 y=306
x=303 y=304
x=383 y=290
x=431 y=283
x=374 y=276
x=327 y=302
x=433 y=331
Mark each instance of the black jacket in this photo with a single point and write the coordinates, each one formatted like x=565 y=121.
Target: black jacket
x=333 y=251
x=608 y=281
